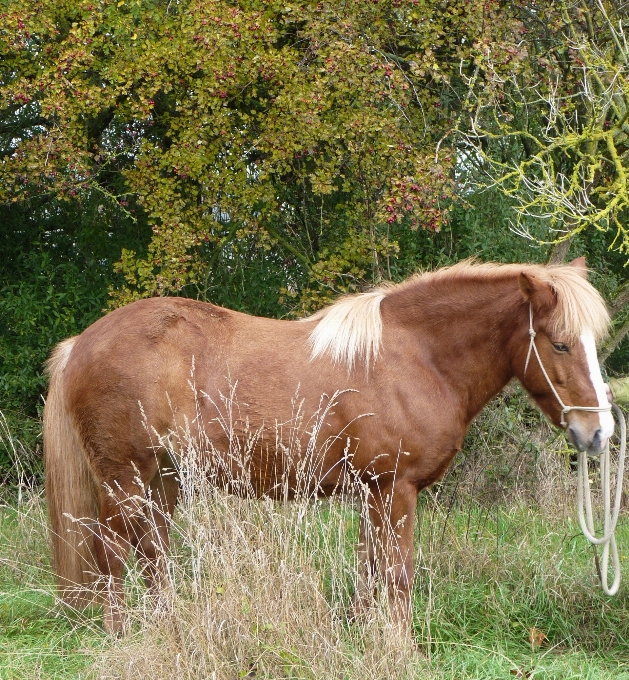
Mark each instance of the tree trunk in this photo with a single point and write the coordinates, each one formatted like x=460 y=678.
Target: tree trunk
x=559 y=251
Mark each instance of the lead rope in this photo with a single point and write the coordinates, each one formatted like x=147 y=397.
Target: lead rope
x=584 y=498
x=610 y=516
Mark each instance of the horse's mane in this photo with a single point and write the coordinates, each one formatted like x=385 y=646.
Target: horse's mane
x=351 y=328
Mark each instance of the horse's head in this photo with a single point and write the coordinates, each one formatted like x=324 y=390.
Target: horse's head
x=557 y=362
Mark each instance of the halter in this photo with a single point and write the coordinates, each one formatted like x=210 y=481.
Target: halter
x=564 y=409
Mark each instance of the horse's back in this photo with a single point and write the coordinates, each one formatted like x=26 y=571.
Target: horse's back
x=147 y=369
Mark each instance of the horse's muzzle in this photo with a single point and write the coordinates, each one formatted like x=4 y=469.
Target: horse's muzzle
x=593 y=446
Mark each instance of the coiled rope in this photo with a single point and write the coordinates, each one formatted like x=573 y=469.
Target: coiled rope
x=610 y=515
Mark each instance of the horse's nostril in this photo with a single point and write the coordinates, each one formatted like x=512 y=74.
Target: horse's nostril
x=575 y=438
x=596 y=446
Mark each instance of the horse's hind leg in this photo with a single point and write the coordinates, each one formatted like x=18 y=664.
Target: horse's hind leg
x=152 y=545
x=121 y=522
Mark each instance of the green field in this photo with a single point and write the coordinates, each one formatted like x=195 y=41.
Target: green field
x=37 y=638
x=260 y=590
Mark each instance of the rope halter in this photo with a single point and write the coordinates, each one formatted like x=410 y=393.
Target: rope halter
x=610 y=512
x=564 y=409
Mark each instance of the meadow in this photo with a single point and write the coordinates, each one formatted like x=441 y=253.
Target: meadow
x=505 y=585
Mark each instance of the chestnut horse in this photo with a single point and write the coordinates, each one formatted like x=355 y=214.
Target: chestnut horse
x=407 y=368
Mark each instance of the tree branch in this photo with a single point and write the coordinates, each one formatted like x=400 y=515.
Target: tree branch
x=559 y=251
x=620 y=301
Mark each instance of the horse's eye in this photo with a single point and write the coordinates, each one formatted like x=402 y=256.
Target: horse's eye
x=560 y=347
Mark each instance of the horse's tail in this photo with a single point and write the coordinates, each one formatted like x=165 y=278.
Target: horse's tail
x=70 y=491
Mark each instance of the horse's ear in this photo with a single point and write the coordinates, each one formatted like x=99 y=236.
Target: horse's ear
x=537 y=292
x=579 y=263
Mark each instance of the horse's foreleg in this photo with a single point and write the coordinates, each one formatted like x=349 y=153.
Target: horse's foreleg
x=365 y=587
x=389 y=542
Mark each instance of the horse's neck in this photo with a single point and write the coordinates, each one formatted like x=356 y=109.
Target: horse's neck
x=466 y=333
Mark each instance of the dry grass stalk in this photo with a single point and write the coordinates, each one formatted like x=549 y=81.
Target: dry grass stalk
x=258 y=587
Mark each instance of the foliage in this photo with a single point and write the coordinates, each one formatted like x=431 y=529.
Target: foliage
x=305 y=130
x=269 y=156
x=554 y=140
x=559 y=143
x=54 y=275
x=55 y=271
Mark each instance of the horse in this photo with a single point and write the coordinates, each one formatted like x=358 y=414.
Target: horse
x=405 y=368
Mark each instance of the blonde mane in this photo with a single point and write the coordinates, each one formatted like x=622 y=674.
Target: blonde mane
x=351 y=328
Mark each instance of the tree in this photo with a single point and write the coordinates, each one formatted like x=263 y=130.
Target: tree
x=271 y=155
x=557 y=144
x=314 y=133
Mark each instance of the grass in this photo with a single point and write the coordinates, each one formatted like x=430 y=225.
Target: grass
x=261 y=590
x=518 y=594
x=37 y=639
x=505 y=585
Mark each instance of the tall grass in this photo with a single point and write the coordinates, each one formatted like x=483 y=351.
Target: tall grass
x=505 y=584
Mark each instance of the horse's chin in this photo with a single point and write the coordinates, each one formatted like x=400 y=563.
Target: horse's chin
x=598 y=450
